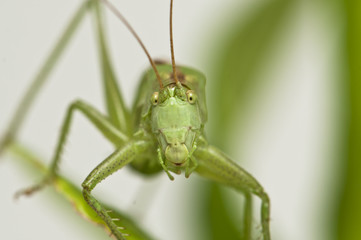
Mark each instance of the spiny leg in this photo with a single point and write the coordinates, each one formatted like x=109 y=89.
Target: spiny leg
x=215 y=165
x=99 y=121
x=114 y=162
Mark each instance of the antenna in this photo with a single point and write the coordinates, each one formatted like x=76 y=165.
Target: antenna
x=115 y=11
x=171 y=41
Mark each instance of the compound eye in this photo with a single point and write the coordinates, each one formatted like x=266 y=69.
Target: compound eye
x=191 y=96
x=155 y=98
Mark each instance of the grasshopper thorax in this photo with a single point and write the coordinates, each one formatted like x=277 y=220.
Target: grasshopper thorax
x=176 y=122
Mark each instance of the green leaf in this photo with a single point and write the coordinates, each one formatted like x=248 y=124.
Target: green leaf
x=221 y=224
x=239 y=57
x=349 y=212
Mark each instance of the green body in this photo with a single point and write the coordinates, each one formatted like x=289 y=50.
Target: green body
x=163 y=130
x=174 y=125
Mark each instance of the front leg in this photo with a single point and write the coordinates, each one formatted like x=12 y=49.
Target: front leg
x=114 y=162
x=191 y=160
x=97 y=119
x=215 y=165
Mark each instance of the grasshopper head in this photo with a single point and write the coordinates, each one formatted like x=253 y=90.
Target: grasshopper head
x=176 y=122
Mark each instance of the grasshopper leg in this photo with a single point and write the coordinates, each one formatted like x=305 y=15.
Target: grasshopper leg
x=192 y=161
x=215 y=165
x=41 y=78
x=99 y=121
x=114 y=162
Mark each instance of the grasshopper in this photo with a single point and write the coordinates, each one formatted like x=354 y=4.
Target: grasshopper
x=163 y=131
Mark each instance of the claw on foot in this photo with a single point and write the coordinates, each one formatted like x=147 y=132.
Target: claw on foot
x=28 y=191
x=31 y=190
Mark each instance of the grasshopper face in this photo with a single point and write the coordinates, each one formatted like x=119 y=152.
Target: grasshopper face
x=176 y=122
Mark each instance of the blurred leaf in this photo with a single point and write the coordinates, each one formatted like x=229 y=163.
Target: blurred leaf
x=74 y=195
x=349 y=215
x=239 y=57
x=221 y=224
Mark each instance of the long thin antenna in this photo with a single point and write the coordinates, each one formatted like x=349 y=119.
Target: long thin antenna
x=171 y=41
x=125 y=22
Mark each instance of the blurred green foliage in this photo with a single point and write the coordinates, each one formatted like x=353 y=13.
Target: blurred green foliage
x=241 y=53
x=348 y=217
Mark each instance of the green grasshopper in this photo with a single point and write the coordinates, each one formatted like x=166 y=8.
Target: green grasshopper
x=164 y=131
